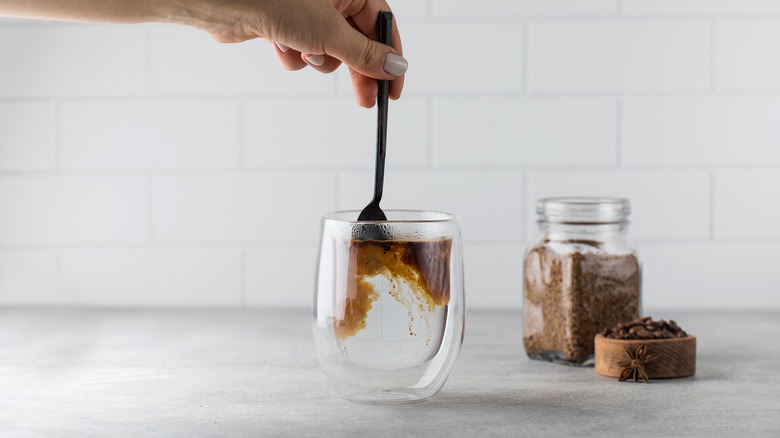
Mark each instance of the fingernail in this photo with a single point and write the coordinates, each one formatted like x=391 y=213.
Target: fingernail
x=317 y=60
x=395 y=65
x=282 y=47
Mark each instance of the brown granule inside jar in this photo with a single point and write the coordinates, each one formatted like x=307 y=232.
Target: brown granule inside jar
x=570 y=297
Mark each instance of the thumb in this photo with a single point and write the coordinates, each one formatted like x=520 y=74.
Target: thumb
x=366 y=56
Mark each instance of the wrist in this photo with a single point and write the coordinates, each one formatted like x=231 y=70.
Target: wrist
x=218 y=18
x=162 y=11
x=172 y=11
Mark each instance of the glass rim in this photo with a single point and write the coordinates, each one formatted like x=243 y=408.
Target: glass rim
x=444 y=217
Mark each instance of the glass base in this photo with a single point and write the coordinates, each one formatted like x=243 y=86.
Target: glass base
x=558 y=357
x=386 y=396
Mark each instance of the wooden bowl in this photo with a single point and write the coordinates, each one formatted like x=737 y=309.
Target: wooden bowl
x=675 y=357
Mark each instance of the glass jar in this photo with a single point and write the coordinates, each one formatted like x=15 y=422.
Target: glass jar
x=389 y=313
x=580 y=278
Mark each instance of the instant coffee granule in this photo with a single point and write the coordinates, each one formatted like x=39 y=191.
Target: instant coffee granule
x=572 y=296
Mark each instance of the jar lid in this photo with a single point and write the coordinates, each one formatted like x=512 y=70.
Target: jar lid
x=583 y=210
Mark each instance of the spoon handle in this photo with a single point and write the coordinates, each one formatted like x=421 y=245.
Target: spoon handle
x=385 y=37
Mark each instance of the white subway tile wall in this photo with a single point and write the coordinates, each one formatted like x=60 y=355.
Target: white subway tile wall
x=620 y=55
x=146 y=165
x=29 y=277
x=665 y=204
x=332 y=133
x=73 y=209
x=747 y=217
x=494 y=275
x=476 y=197
x=712 y=275
x=410 y=9
x=701 y=8
x=186 y=62
x=522 y=8
x=27 y=136
x=153 y=134
x=280 y=275
x=709 y=130
x=523 y=132
x=152 y=277
x=463 y=57
x=240 y=208
x=75 y=61
x=747 y=54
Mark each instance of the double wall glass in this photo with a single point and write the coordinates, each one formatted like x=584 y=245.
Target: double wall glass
x=389 y=304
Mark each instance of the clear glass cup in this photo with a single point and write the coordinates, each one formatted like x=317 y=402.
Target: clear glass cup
x=389 y=304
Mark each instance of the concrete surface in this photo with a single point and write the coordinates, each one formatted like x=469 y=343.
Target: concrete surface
x=254 y=373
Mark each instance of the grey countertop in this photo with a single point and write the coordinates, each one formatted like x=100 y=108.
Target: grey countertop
x=255 y=373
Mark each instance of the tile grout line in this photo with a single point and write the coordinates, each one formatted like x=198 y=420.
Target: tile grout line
x=192 y=245
x=336 y=190
x=618 y=13
x=57 y=136
x=713 y=55
x=673 y=167
x=242 y=123
x=619 y=132
x=468 y=18
x=431 y=137
x=524 y=207
x=336 y=86
x=148 y=71
x=713 y=205
x=557 y=93
x=62 y=248
x=242 y=281
x=528 y=205
x=432 y=109
x=526 y=68
x=150 y=209
x=563 y=93
x=60 y=272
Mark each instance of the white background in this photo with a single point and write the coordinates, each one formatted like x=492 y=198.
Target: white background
x=146 y=165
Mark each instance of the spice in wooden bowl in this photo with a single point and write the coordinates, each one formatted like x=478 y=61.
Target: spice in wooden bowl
x=645 y=349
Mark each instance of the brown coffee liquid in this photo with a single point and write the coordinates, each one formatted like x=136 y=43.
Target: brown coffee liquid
x=424 y=266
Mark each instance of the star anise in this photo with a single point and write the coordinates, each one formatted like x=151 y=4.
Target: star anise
x=636 y=363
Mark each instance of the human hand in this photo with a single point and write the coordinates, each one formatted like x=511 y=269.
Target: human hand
x=319 y=33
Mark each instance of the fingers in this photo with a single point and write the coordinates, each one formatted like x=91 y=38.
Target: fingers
x=352 y=40
x=292 y=59
x=369 y=62
x=366 y=22
x=366 y=56
x=380 y=59
x=289 y=58
x=396 y=87
x=365 y=88
x=321 y=63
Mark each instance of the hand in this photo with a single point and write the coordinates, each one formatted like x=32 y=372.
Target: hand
x=318 y=33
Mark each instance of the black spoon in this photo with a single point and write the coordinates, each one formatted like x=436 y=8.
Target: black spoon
x=372 y=212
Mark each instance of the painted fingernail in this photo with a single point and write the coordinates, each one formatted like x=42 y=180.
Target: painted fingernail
x=282 y=47
x=317 y=60
x=395 y=65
